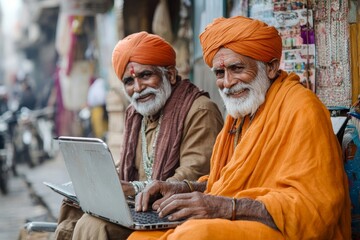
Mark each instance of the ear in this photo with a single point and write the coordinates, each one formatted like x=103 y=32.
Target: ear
x=172 y=72
x=272 y=68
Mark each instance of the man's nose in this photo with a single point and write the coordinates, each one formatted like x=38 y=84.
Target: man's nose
x=138 y=86
x=229 y=80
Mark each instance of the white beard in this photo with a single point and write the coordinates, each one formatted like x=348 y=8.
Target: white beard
x=152 y=106
x=240 y=107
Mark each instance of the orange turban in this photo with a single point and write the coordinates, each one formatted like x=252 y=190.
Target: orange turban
x=142 y=48
x=246 y=36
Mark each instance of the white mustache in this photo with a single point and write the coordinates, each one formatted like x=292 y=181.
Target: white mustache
x=237 y=88
x=147 y=91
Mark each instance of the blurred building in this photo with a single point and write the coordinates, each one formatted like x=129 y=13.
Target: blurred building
x=69 y=43
x=35 y=43
x=1 y=48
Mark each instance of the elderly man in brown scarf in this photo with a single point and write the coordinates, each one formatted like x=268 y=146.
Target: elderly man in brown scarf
x=170 y=129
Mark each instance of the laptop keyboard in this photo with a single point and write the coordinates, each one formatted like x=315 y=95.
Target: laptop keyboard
x=147 y=217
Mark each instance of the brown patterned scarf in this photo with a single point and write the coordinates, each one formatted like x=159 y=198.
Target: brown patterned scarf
x=167 y=152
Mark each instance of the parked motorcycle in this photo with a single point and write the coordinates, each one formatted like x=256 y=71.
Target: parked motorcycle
x=26 y=145
x=6 y=152
x=85 y=122
x=33 y=136
x=45 y=127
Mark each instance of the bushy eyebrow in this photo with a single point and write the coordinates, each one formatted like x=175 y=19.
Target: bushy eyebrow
x=125 y=79
x=235 y=64
x=228 y=66
x=139 y=73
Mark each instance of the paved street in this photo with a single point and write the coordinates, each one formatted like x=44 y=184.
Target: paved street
x=15 y=208
x=30 y=199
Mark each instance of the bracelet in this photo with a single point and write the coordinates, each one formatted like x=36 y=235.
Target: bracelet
x=136 y=187
x=139 y=186
x=233 y=203
x=189 y=184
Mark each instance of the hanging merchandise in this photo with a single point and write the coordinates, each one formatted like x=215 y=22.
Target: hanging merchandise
x=85 y=7
x=303 y=25
x=162 y=23
x=181 y=47
x=239 y=8
x=63 y=37
x=262 y=10
x=297 y=32
x=75 y=86
x=332 y=41
x=294 y=21
x=354 y=39
x=183 y=38
x=75 y=30
x=76 y=71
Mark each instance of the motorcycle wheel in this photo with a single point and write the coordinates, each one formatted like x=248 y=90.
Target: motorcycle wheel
x=4 y=181
x=31 y=161
x=32 y=153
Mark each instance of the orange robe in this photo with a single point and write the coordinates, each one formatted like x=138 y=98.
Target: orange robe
x=289 y=159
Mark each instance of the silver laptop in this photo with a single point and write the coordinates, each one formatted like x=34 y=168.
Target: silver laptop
x=65 y=189
x=97 y=187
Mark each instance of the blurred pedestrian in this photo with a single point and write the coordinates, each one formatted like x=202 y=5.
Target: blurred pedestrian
x=27 y=95
x=96 y=101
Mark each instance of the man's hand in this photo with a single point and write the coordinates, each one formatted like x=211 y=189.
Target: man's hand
x=159 y=191
x=128 y=188
x=172 y=199
x=194 y=205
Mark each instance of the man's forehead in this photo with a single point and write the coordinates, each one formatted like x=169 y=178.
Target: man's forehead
x=137 y=65
x=226 y=57
x=223 y=62
x=134 y=66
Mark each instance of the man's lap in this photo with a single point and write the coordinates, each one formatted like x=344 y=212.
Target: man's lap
x=69 y=215
x=89 y=227
x=215 y=229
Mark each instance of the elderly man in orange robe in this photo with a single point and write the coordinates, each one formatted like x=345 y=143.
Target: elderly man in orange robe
x=276 y=169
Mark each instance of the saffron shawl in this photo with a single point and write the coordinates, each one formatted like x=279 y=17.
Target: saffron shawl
x=289 y=159
x=167 y=151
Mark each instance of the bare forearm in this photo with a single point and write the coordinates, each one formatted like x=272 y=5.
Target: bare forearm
x=195 y=186
x=245 y=208
x=249 y=209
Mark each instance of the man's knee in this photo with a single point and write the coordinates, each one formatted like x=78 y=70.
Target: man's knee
x=89 y=227
x=88 y=221
x=69 y=215
x=69 y=211
x=65 y=229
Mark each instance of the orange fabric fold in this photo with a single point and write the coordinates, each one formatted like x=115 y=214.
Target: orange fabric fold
x=289 y=159
x=143 y=48
x=242 y=35
x=214 y=229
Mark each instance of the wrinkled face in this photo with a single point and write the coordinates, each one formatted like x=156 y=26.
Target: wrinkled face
x=146 y=87
x=242 y=82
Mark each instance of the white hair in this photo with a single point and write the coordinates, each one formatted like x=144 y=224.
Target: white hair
x=153 y=106
x=240 y=107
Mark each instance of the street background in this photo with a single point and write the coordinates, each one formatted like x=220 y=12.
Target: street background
x=29 y=199
x=58 y=49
